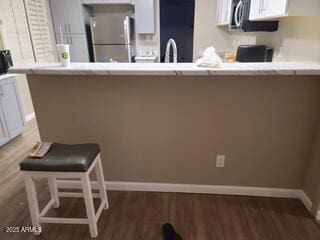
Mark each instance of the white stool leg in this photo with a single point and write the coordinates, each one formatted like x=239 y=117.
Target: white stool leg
x=54 y=191
x=100 y=179
x=32 y=201
x=89 y=205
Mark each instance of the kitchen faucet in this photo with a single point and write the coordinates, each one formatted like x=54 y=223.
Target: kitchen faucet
x=170 y=43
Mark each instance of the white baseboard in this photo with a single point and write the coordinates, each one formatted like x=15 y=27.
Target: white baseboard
x=188 y=188
x=305 y=199
x=30 y=116
x=193 y=188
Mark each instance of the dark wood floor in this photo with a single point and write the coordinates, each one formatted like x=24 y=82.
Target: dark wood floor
x=139 y=215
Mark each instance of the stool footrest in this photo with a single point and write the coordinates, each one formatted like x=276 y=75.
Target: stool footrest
x=63 y=220
x=76 y=194
x=47 y=208
x=100 y=209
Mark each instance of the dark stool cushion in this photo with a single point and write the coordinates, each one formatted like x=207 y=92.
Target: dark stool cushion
x=64 y=158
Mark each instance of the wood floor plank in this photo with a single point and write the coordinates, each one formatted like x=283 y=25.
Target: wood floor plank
x=181 y=215
x=260 y=222
x=207 y=224
x=285 y=219
x=154 y=214
x=127 y=227
x=150 y=231
x=305 y=218
x=156 y=208
x=233 y=219
x=109 y=218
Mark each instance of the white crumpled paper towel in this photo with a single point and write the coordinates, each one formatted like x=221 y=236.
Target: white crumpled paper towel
x=210 y=59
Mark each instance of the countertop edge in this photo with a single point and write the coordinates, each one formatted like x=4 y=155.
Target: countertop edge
x=185 y=69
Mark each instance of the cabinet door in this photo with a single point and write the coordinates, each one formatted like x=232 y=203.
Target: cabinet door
x=57 y=13
x=64 y=39
x=223 y=12
x=274 y=8
x=78 y=48
x=268 y=9
x=4 y=136
x=145 y=16
x=74 y=17
x=11 y=106
x=255 y=9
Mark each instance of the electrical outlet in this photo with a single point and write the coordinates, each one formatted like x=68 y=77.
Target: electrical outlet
x=220 y=161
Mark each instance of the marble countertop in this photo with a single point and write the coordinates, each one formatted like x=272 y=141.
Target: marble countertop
x=274 y=68
x=5 y=76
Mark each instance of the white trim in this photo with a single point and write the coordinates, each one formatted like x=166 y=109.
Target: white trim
x=305 y=200
x=188 y=188
x=318 y=216
x=193 y=188
x=30 y=116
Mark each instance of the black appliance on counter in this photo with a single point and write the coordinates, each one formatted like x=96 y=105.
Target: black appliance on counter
x=5 y=61
x=240 y=11
x=254 y=53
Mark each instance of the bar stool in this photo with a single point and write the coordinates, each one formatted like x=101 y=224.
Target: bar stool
x=68 y=162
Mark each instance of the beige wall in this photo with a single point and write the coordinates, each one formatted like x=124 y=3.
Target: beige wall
x=312 y=179
x=298 y=38
x=170 y=128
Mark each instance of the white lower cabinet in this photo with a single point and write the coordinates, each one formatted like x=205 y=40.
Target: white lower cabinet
x=12 y=121
x=4 y=136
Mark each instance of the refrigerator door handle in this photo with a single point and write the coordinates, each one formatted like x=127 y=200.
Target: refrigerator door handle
x=127 y=36
x=126 y=31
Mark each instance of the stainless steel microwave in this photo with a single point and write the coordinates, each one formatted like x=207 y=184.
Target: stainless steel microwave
x=240 y=11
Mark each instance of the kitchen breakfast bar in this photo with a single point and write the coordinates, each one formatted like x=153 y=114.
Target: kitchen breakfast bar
x=165 y=123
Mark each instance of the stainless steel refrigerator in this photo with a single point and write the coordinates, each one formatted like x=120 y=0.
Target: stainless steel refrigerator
x=112 y=38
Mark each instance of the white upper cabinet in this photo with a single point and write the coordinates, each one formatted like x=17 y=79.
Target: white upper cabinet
x=145 y=16
x=269 y=9
x=68 y=16
x=264 y=9
x=223 y=12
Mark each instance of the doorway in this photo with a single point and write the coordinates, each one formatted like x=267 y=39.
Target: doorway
x=177 y=22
